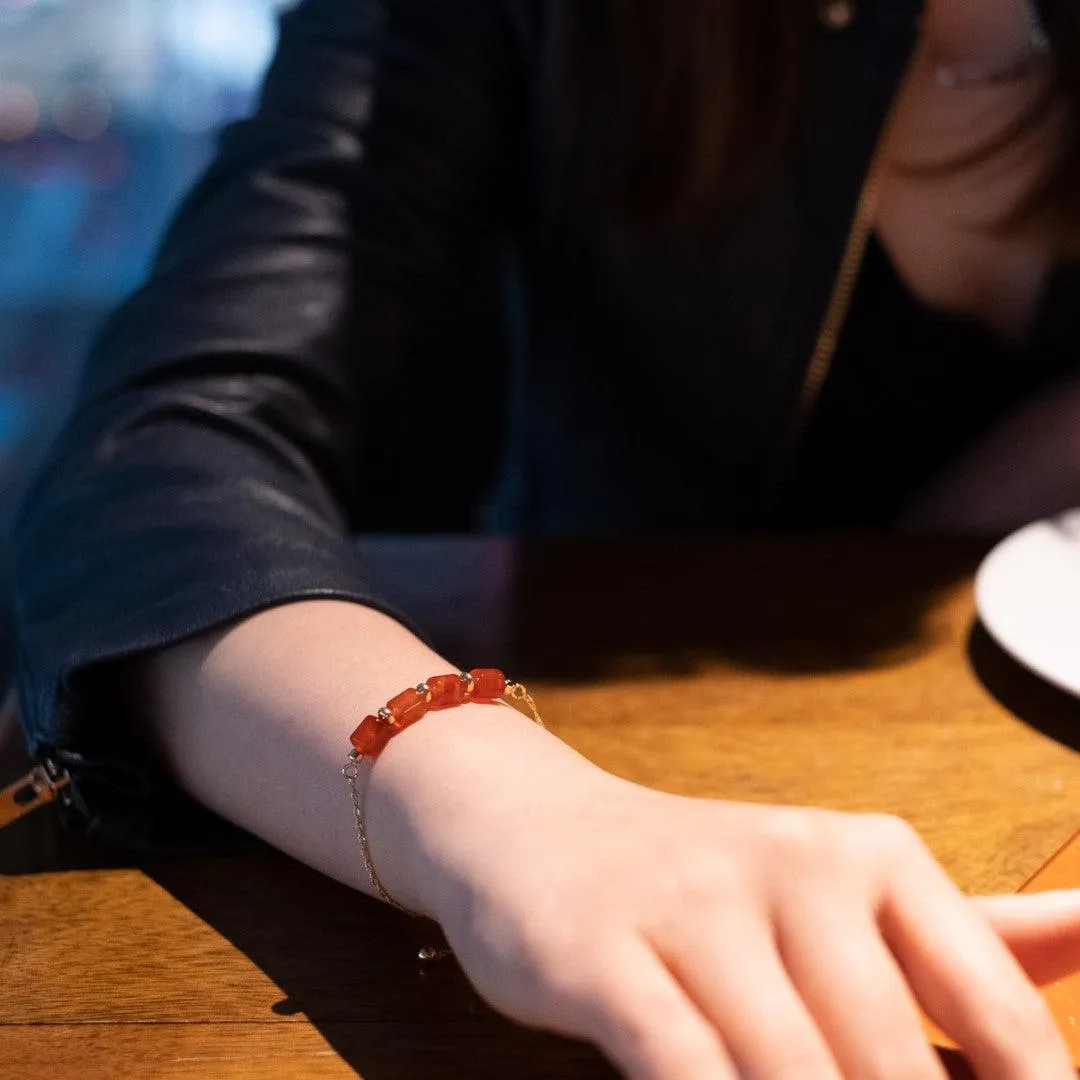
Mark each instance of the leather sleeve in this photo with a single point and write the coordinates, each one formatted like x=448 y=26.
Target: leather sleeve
x=236 y=412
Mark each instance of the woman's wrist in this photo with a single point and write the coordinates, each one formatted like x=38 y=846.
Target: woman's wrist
x=441 y=793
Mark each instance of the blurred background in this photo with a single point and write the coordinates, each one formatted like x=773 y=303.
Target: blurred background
x=108 y=111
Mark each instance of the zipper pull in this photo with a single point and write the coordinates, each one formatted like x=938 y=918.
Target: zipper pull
x=37 y=788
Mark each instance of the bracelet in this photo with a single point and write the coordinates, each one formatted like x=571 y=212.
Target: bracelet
x=485 y=685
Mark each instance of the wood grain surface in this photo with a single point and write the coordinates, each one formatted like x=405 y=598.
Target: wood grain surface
x=846 y=672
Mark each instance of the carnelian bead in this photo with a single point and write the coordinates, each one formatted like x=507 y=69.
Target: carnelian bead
x=408 y=707
x=371 y=737
x=489 y=683
x=446 y=691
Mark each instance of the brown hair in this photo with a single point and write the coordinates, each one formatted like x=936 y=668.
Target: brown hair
x=676 y=108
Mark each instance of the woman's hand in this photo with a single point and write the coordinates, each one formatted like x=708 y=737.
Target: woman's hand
x=1026 y=467
x=690 y=940
x=700 y=940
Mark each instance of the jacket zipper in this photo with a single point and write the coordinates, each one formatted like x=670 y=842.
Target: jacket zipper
x=836 y=313
x=39 y=787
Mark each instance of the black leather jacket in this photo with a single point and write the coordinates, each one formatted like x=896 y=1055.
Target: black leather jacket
x=314 y=353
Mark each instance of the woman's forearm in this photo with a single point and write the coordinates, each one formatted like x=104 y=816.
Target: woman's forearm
x=1026 y=468
x=254 y=722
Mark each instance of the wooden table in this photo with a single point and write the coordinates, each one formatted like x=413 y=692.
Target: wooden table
x=837 y=671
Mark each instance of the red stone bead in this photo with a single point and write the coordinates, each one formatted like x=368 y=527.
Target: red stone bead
x=371 y=737
x=489 y=682
x=446 y=691
x=408 y=707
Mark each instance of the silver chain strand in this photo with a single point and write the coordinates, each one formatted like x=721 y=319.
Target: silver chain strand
x=351 y=773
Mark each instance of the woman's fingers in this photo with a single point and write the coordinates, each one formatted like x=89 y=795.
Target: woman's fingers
x=729 y=966
x=826 y=998
x=965 y=977
x=1041 y=929
x=645 y=1023
x=855 y=990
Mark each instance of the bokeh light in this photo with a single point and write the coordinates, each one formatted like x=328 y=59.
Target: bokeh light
x=192 y=105
x=19 y=112
x=228 y=41
x=82 y=112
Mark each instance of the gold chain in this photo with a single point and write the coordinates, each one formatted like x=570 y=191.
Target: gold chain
x=517 y=692
x=351 y=772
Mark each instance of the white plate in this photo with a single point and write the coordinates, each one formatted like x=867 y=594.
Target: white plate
x=1028 y=594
